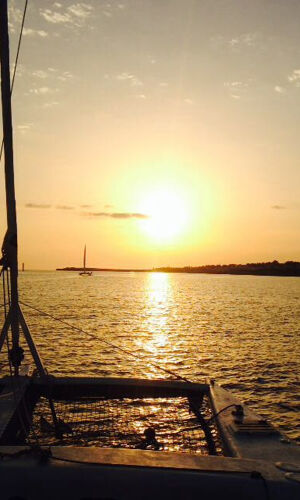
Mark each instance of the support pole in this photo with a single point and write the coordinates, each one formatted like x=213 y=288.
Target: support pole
x=10 y=246
x=31 y=345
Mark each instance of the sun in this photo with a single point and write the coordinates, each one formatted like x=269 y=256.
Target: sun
x=167 y=214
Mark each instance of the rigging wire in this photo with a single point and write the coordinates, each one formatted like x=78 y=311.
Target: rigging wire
x=16 y=62
x=111 y=344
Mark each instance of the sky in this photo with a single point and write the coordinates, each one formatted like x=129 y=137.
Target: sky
x=156 y=132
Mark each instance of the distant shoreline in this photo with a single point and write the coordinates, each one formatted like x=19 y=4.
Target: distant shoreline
x=275 y=268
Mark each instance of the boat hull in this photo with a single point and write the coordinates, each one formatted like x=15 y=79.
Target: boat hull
x=102 y=474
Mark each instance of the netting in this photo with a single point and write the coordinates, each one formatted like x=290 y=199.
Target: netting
x=166 y=424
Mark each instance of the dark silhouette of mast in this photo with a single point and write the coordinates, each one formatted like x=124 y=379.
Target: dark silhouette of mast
x=10 y=245
x=9 y=261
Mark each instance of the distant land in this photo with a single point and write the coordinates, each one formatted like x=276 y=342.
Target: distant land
x=275 y=268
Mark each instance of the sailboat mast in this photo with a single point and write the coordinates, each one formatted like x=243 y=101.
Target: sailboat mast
x=10 y=247
x=84 y=258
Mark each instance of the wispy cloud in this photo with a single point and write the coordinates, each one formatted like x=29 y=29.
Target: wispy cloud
x=244 y=40
x=236 y=43
x=14 y=17
x=25 y=127
x=109 y=8
x=85 y=206
x=129 y=77
x=279 y=89
x=50 y=104
x=35 y=33
x=294 y=77
x=74 y=15
x=236 y=88
x=117 y=215
x=64 y=207
x=51 y=78
x=39 y=73
x=42 y=90
x=292 y=205
x=66 y=75
x=37 y=205
x=80 y=10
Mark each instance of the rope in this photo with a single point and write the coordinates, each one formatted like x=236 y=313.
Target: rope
x=16 y=62
x=110 y=344
x=221 y=411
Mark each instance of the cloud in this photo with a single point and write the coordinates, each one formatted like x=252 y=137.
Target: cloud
x=39 y=73
x=108 y=206
x=236 y=88
x=50 y=77
x=55 y=17
x=66 y=75
x=237 y=43
x=85 y=206
x=14 y=17
x=279 y=89
x=50 y=104
x=33 y=33
x=23 y=128
x=37 y=205
x=42 y=91
x=80 y=10
x=64 y=207
x=73 y=15
x=111 y=7
x=246 y=39
x=294 y=77
x=279 y=207
x=129 y=77
x=117 y=215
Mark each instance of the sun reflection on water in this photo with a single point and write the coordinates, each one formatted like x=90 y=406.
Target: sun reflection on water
x=158 y=299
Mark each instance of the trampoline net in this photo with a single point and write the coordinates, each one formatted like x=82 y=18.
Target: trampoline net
x=166 y=424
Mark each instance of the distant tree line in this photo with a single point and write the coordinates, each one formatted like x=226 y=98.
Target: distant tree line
x=274 y=268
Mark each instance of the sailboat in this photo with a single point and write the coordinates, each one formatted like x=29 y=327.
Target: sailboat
x=47 y=422
x=85 y=272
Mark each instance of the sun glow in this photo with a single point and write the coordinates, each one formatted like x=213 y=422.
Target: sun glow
x=168 y=215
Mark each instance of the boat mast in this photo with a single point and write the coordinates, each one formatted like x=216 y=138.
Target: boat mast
x=15 y=319
x=10 y=245
x=84 y=258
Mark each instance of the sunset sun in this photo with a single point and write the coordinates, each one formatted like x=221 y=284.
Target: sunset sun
x=167 y=215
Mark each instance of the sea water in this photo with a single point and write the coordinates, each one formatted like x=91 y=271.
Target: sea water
x=243 y=331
